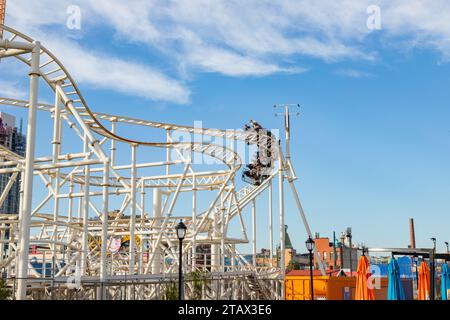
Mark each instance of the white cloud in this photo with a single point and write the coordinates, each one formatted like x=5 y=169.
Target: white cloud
x=127 y=77
x=353 y=73
x=226 y=62
x=237 y=38
x=12 y=89
x=89 y=66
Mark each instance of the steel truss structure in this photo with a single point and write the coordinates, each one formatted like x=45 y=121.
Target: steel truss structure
x=89 y=248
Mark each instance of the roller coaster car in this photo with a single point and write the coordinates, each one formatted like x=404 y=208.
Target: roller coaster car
x=259 y=169
x=250 y=177
x=255 y=173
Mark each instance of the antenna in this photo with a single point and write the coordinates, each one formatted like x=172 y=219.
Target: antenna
x=287 y=128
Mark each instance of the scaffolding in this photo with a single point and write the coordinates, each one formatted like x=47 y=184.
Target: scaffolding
x=92 y=234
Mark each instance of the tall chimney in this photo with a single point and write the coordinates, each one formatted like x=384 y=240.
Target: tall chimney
x=412 y=235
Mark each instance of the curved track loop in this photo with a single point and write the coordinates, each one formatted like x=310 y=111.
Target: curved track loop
x=54 y=73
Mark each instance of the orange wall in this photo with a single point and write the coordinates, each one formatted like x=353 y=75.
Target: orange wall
x=325 y=287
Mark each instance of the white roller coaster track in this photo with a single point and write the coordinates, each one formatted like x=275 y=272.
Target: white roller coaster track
x=79 y=246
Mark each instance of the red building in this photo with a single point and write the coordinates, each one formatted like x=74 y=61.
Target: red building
x=331 y=256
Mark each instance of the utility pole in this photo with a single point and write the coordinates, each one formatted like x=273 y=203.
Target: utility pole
x=286 y=166
x=287 y=129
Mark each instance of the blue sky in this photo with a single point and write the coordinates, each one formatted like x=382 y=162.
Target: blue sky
x=372 y=144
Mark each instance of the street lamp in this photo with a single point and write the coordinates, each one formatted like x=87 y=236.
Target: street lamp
x=432 y=266
x=434 y=243
x=310 y=246
x=446 y=244
x=181 y=233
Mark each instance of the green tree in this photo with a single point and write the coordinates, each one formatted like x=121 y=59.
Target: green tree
x=293 y=265
x=5 y=293
x=171 y=292
x=197 y=279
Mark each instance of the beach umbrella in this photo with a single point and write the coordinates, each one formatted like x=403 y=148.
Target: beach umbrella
x=363 y=274
x=424 y=282
x=395 y=287
x=445 y=281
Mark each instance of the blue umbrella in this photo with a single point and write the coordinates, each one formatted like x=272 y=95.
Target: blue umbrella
x=395 y=287
x=445 y=281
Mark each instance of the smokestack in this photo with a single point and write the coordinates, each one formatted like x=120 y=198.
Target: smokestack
x=412 y=235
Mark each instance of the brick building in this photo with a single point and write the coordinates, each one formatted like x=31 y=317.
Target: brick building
x=331 y=254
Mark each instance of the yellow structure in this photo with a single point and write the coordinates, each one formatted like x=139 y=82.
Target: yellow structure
x=328 y=288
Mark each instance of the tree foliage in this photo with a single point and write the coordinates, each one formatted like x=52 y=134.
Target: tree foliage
x=5 y=293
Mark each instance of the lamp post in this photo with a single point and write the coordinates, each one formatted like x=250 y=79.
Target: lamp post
x=434 y=243
x=310 y=246
x=181 y=233
x=432 y=267
x=446 y=244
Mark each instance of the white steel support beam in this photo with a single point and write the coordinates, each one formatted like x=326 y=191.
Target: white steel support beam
x=157 y=214
x=282 y=228
x=113 y=144
x=105 y=218
x=194 y=222
x=271 y=224
x=254 y=232
x=84 y=241
x=56 y=152
x=25 y=215
x=133 y=206
x=143 y=215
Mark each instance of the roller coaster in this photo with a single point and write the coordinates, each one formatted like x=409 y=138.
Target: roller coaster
x=84 y=228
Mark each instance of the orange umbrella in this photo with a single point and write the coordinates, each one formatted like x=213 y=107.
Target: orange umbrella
x=424 y=282
x=363 y=274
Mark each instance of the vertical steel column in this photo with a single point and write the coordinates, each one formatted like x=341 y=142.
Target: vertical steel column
x=105 y=218
x=2 y=243
x=133 y=210
x=157 y=214
x=282 y=229
x=194 y=222
x=233 y=255
x=222 y=238
x=113 y=142
x=214 y=247
x=84 y=248
x=271 y=223
x=25 y=218
x=168 y=139
x=254 y=231
x=57 y=126
x=56 y=152
x=141 y=255
x=70 y=204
